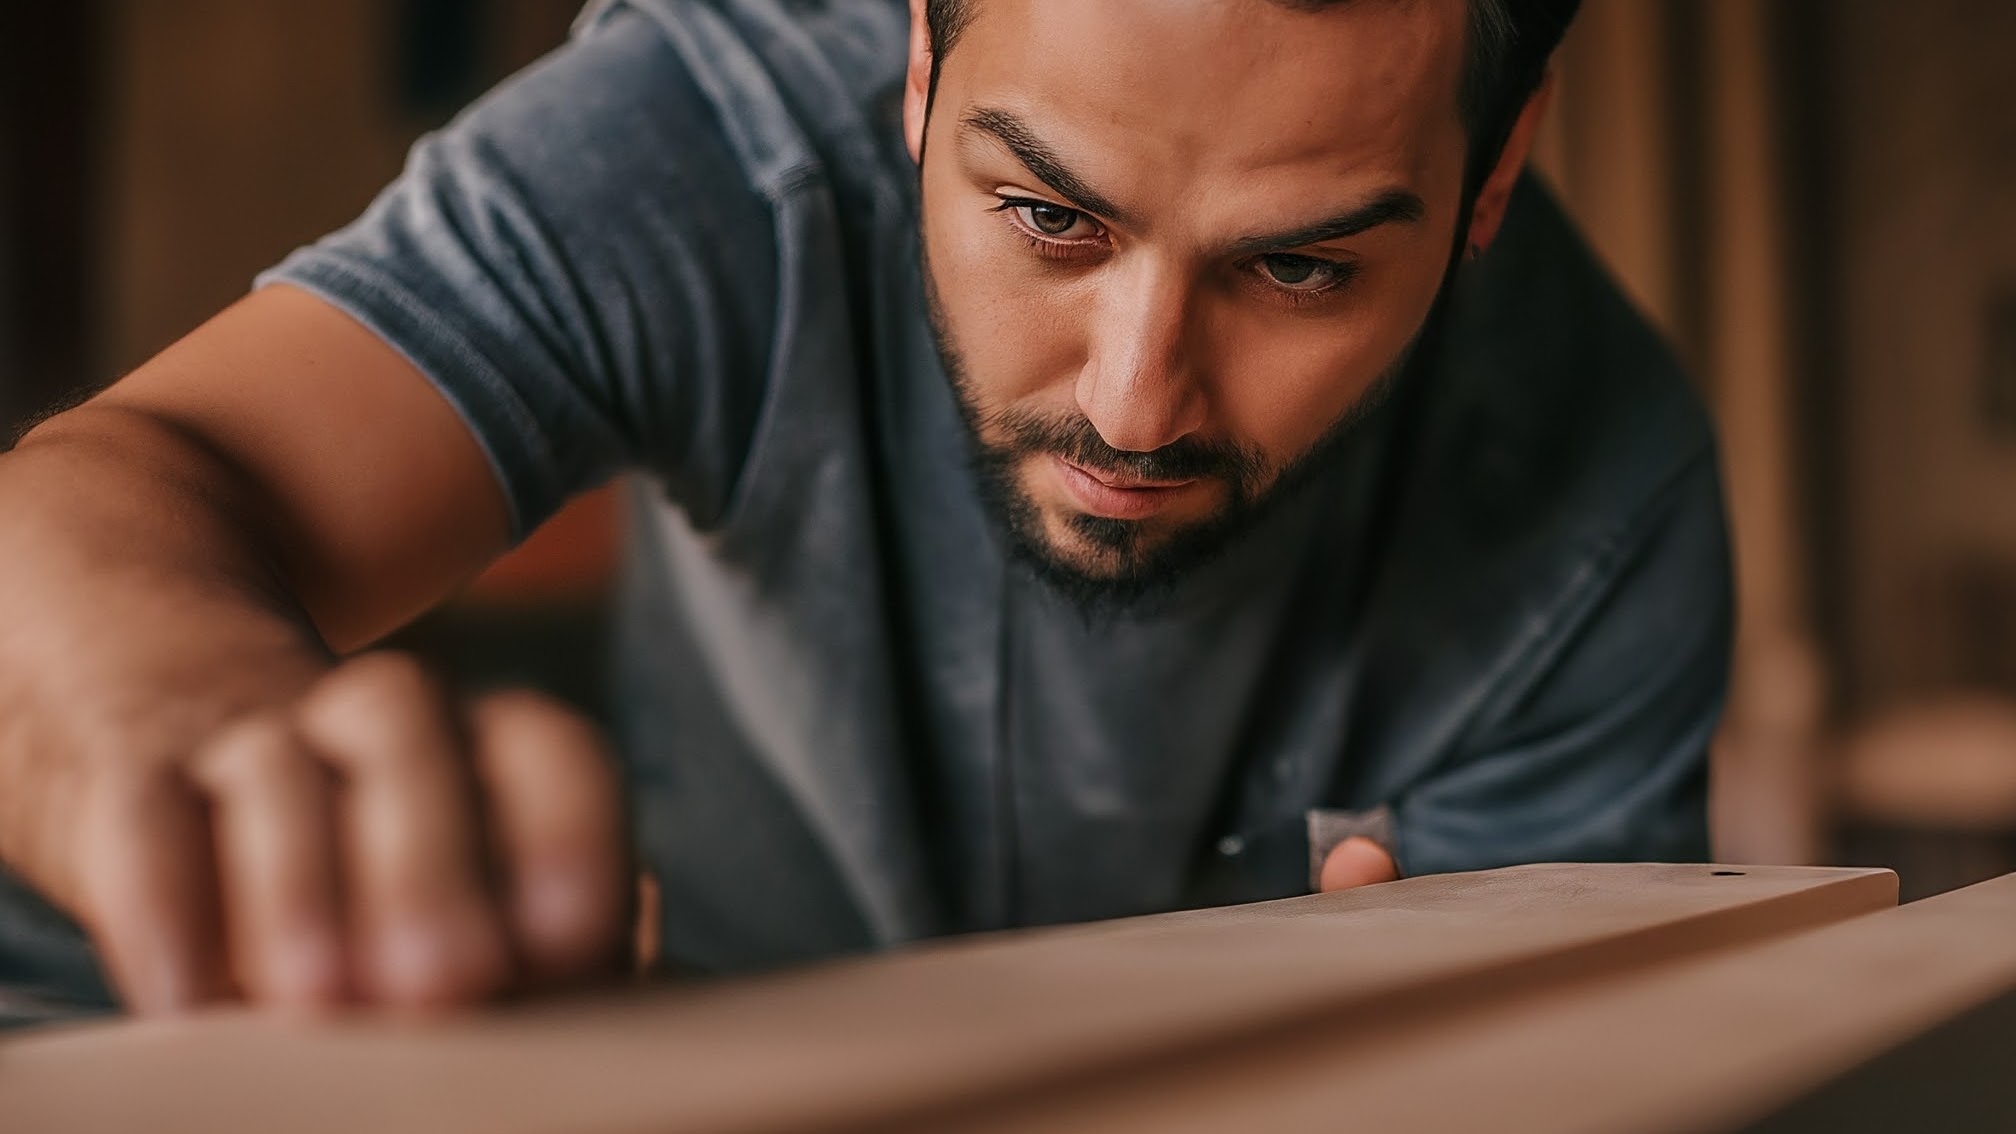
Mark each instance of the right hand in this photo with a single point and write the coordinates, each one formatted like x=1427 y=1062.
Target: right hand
x=375 y=840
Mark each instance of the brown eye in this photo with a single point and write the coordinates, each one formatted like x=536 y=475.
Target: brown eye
x=1301 y=273
x=1050 y=220
x=1055 y=228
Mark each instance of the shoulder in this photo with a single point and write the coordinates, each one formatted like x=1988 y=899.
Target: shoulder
x=1555 y=497
x=1557 y=423
x=804 y=88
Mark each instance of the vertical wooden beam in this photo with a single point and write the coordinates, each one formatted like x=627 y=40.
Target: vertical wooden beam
x=1664 y=145
x=1612 y=152
x=49 y=135
x=1804 y=52
x=1768 y=804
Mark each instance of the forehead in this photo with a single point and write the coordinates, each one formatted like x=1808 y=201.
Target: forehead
x=1256 y=91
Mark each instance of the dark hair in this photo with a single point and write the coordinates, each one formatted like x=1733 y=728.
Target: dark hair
x=1510 y=43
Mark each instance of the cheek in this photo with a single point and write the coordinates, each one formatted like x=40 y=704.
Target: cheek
x=1285 y=380
x=1018 y=334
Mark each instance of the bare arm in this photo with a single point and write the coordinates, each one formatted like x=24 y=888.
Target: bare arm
x=188 y=762
x=364 y=491
x=183 y=763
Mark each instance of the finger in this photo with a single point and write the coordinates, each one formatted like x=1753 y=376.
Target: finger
x=423 y=918
x=272 y=819
x=148 y=898
x=1357 y=861
x=556 y=817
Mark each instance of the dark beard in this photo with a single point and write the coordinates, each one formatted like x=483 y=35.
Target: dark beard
x=1145 y=571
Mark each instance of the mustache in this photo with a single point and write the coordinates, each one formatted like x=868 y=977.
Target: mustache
x=1076 y=440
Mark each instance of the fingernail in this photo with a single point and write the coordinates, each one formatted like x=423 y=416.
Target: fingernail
x=412 y=964
x=556 y=906
x=307 y=972
x=170 y=990
x=440 y=962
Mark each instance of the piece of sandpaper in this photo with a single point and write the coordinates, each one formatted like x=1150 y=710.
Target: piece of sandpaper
x=933 y=1034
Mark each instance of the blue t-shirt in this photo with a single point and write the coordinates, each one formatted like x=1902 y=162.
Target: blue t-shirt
x=684 y=246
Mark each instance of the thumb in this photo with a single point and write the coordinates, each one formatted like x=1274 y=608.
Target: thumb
x=1357 y=861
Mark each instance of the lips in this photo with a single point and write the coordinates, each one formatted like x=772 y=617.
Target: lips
x=1118 y=496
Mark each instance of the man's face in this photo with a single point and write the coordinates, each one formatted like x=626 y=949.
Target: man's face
x=1173 y=243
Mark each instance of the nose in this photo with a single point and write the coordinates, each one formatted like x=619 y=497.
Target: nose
x=1137 y=387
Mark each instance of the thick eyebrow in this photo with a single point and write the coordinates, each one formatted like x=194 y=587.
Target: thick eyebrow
x=1039 y=159
x=1394 y=206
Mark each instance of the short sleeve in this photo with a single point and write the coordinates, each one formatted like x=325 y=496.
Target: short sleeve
x=582 y=267
x=1596 y=750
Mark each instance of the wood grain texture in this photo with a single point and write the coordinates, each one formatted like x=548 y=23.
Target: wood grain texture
x=940 y=1034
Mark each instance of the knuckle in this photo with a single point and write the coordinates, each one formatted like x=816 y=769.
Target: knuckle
x=108 y=831
x=251 y=749
x=521 y=708
x=384 y=676
x=533 y=724
x=371 y=705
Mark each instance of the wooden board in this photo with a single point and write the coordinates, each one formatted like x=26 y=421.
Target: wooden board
x=1904 y=1020
x=933 y=1033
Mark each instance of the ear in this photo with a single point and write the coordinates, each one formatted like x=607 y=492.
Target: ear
x=917 y=81
x=1489 y=211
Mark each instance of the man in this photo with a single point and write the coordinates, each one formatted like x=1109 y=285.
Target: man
x=1130 y=455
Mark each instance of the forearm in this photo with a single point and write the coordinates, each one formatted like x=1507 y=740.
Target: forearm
x=187 y=769
x=141 y=606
